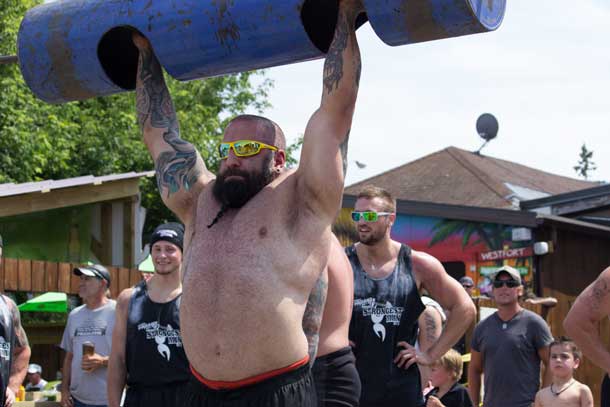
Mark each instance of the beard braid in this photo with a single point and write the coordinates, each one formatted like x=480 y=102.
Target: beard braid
x=235 y=193
x=221 y=212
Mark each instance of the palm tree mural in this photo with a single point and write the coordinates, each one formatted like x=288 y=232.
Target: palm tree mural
x=492 y=234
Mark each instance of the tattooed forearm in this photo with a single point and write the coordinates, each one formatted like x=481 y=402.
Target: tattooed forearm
x=312 y=318
x=21 y=339
x=343 y=149
x=153 y=100
x=431 y=328
x=598 y=294
x=333 y=65
x=176 y=168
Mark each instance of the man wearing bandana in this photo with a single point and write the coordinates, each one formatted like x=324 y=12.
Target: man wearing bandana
x=257 y=234
x=147 y=351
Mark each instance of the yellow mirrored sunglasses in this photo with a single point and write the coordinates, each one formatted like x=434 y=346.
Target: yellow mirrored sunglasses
x=242 y=148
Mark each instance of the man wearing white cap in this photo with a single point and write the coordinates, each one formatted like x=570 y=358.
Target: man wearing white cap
x=87 y=340
x=35 y=380
x=508 y=347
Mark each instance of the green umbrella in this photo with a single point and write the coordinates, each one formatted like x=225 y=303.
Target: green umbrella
x=147 y=265
x=49 y=302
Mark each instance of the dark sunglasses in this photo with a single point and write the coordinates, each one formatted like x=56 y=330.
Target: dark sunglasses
x=508 y=283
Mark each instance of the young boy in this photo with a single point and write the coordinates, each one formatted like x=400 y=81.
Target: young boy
x=444 y=376
x=565 y=391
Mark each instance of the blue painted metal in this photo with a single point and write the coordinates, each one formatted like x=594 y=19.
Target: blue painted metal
x=399 y=22
x=76 y=49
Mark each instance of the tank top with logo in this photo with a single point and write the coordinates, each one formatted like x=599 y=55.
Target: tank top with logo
x=154 y=353
x=385 y=312
x=7 y=342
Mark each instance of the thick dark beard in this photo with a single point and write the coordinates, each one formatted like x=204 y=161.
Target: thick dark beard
x=236 y=192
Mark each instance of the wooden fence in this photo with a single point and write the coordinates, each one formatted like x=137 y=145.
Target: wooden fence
x=43 y=276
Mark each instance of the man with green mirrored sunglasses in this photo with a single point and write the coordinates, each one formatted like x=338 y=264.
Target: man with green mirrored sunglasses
x=257 y=234
x=388 y=276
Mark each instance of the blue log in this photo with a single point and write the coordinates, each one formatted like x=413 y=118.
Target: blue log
x=76 y=49
x=399 y=22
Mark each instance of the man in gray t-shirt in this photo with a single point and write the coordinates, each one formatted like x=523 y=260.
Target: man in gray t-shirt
x=84 y=376
x=508 y=347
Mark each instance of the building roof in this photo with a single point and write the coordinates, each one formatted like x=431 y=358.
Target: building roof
x=571 y=202
x=11 y=189
x=457 y=177
x=18 y=199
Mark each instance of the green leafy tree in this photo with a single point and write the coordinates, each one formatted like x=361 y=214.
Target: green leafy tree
x=585 y=165
x=100 y=136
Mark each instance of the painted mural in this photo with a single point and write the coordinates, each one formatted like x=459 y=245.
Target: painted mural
x=465 y=248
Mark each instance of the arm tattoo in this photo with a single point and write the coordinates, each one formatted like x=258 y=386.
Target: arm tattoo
x=343 y=149
x=177 y=168
x=21 y=339
x=430 y=328
x=333 y=65
x=312 y=318
x=599 y=292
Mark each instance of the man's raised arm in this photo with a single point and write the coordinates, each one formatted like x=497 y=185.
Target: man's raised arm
x=324 y=155
x=181 y=173
x=582 y=321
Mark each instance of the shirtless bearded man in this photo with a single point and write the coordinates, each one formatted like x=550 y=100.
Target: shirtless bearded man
x=257 y=234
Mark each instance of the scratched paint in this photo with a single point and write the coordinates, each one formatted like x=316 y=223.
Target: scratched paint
x=60 y=60
x=70 y=88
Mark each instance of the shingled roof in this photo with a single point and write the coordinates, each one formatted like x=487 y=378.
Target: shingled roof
x=458 y=177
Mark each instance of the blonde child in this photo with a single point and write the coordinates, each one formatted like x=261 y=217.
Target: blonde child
x=564 y=391
x=444 y=376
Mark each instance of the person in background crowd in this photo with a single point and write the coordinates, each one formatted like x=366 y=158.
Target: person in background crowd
x=507 y=347
x=334 y=371
x=388 y=277
x=87 y=340
x=582 y=325
x=431 y=323
x=468 y=285
x=15 y=348
x=564 y=391
x=35 y=380
x=147 y=352
x=444 y=376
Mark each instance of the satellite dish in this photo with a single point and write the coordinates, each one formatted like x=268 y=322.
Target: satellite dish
x=487 y=126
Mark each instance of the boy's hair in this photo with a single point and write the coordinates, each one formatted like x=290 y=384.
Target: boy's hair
x=452 y=361
x=564 y=340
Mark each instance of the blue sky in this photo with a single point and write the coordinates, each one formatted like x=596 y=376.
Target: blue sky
x=545 y=74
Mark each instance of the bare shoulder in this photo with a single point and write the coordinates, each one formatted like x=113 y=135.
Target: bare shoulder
x=596 y=295
x=122 y=301
x=543 y=396
x=426 y=267
x=9 y=301
x=584 y=390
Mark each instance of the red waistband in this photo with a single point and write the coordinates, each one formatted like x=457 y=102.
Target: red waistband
x=221 y=385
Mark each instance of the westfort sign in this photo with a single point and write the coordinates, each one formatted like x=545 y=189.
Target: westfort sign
x=506 y=254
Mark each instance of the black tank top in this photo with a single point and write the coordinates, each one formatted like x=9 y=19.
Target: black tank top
x=7 y=342
x=385 y=312
x=154 y=352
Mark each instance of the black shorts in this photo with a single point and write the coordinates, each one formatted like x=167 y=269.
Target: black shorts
x=166 y=395
x=605 y=396
x=337 y=380
x=290 y=389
